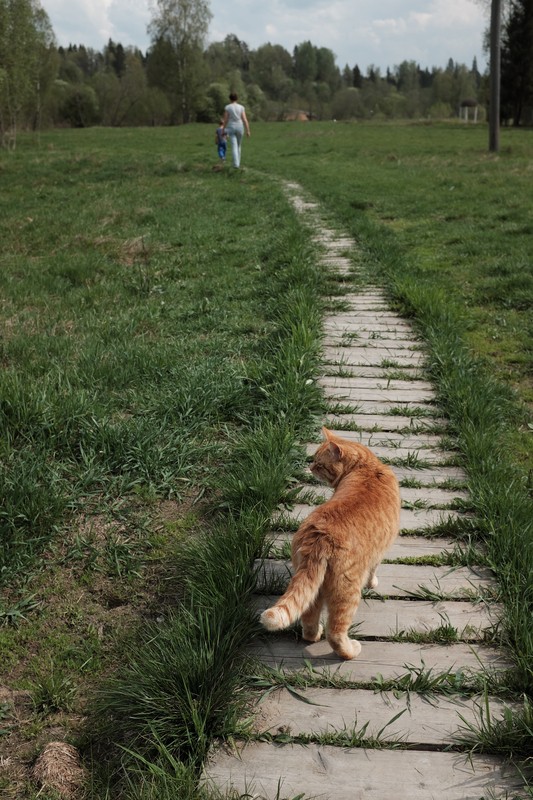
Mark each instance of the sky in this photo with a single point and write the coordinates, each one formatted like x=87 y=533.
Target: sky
x=382 y=33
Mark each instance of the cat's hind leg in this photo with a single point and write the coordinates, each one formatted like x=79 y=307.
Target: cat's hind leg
x=312 y=628
x=340 y=619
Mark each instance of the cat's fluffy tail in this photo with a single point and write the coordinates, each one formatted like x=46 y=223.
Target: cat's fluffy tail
x=301 y=592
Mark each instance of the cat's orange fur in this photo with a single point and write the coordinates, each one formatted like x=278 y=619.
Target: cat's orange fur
x=336 y=550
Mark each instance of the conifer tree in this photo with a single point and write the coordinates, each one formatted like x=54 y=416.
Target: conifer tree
x=517 y=63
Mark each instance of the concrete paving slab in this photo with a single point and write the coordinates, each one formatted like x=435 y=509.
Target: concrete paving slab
x=341 y=389
x=378 y=619
x=377 y=356
x=430 y=496
x=417 y=453
x=428 y=477
x=382 y=422
x=275 y=772
x=410 y=519
x=377 y=373
x=417 y=389
x=405 y=546
x=410 y=719
x=390 y=340
x=390 y=660
x=347 y=402
x=395 y=580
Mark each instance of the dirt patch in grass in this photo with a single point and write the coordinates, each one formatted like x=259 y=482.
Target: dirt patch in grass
x=84 y=613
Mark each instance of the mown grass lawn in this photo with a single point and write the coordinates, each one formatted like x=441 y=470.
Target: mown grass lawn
x=160 y=327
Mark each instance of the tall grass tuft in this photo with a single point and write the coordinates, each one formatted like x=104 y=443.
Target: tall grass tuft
x=32 y=501
x=177 y=687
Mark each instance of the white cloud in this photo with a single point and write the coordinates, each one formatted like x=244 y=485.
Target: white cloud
x=394 y=27
x=457 y=14
x=422 y=20
x=130 y=21
x=93 y=22
x=365 y=32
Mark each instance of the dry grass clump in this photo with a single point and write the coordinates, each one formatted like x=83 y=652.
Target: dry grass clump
x=58 y=767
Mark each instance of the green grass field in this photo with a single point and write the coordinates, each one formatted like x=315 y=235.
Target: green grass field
x=160 y=324
x=431 y=201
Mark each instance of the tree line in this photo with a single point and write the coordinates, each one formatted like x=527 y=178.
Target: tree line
x=180 y=79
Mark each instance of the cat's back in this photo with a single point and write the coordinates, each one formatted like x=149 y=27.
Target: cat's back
x=368 y=490
x=366 y=499
x=373 y=480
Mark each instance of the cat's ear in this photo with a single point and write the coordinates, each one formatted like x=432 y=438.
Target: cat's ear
x=335 y=451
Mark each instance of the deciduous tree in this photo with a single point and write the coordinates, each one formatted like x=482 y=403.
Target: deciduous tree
x=26 y=38
x=305 y=63
x=180 y=27
x=271 y=68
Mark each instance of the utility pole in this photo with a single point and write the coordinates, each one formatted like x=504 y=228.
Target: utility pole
x=495 y=70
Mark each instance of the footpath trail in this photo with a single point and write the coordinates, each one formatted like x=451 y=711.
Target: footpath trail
x=426 y=629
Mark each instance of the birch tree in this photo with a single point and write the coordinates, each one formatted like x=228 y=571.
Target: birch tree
x=26 y=40
x=182 y=26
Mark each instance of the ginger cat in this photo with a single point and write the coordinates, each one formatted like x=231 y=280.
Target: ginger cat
x=336 y=550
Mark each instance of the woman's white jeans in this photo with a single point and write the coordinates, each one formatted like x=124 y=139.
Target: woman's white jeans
x=235 y=134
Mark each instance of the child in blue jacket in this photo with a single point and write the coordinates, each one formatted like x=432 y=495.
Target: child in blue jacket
x=221 y=140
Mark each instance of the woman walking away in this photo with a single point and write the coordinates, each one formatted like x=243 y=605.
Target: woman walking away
x=235 y=122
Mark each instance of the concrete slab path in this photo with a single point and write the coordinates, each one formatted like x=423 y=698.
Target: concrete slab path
x=428 y=618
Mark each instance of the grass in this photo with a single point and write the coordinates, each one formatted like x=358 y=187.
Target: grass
x=158 y=370
x=509 y=735
x=456 y=218
x=120 y=367
x=443 y=634
x=158 y=356
x=356 y=736
x=146 y=707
